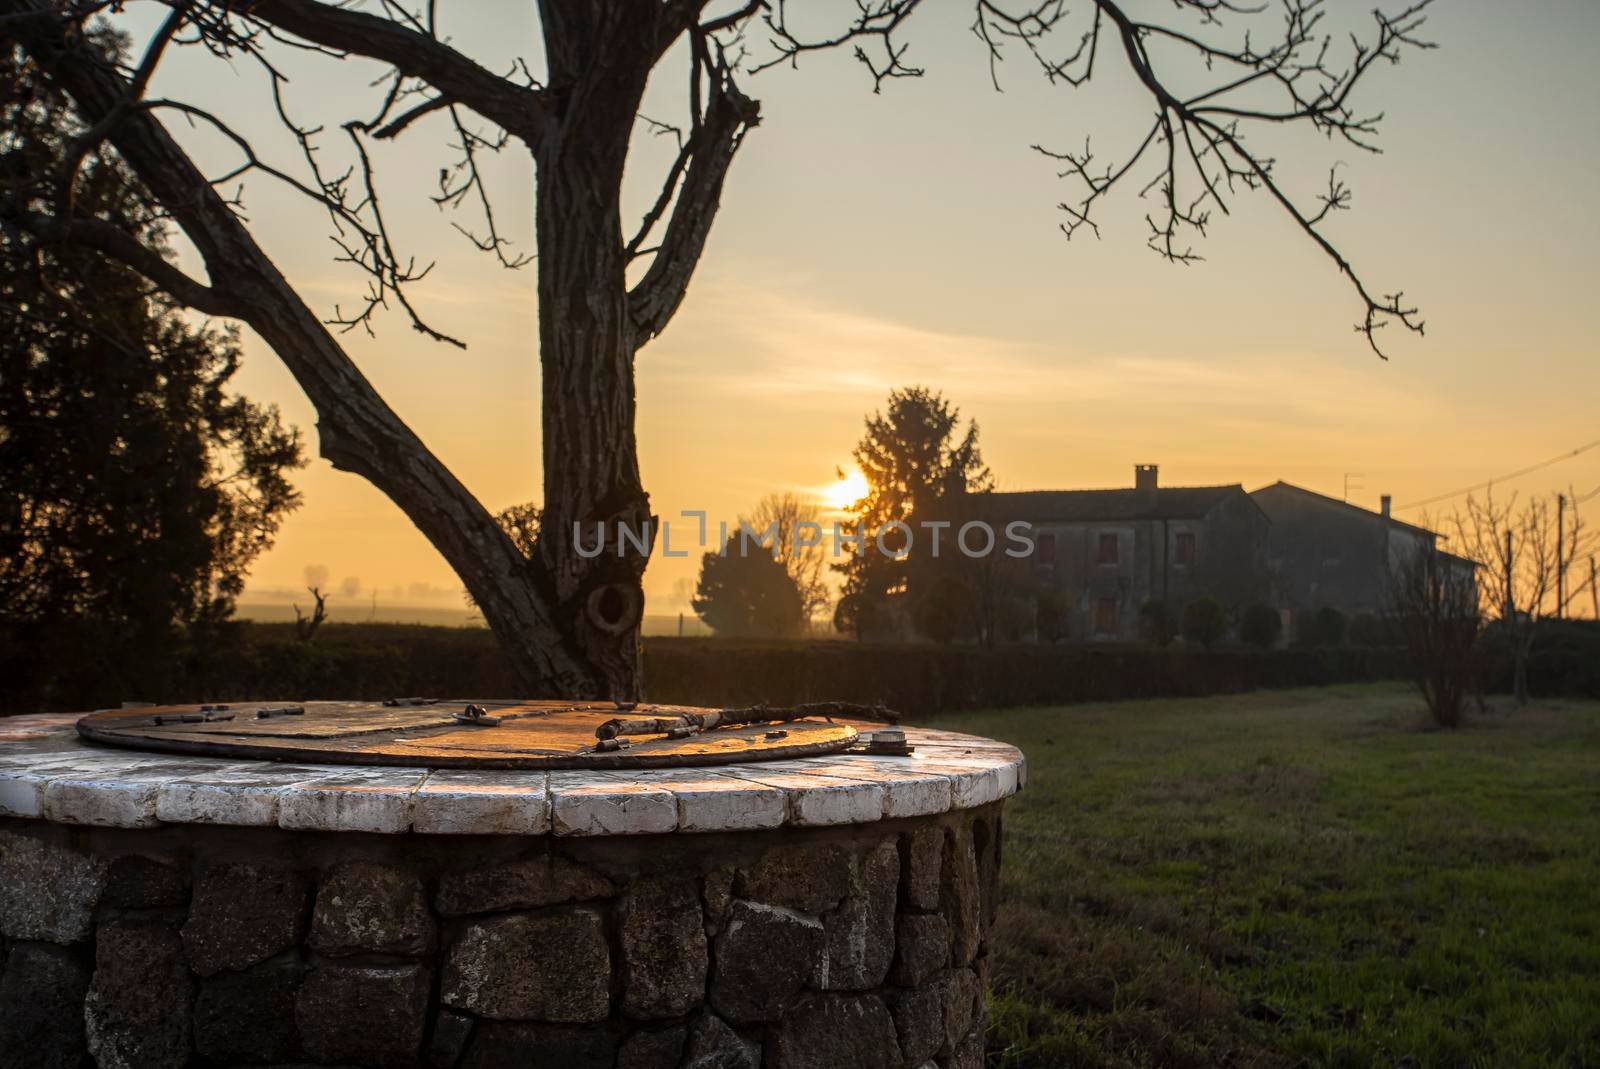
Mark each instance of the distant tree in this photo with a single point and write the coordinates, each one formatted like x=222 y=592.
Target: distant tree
x=316 y=575
x=944 y=610
x=792 y=519
x=1434 y=601
x=748 y=594
x=1157 y=623
x=135 y=488
x=1260 y=625
x=1050 y=615
x=1326 y=627
x=521 y=523
x=1204 y=621
x=1216 y=81
x=1523 y=553
x=918 y=463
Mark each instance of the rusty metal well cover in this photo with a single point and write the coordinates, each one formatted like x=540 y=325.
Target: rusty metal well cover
x=478 y=734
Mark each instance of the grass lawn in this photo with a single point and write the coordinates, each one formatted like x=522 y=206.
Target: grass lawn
x=1300 y=878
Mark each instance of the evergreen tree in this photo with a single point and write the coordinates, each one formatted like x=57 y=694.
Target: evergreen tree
x=748 y=594
x=919 y=463
x=135 y=490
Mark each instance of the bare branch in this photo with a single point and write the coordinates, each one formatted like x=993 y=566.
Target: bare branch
x=871 y=35
x=710 y=150
x=123 y=247
x=1201 y=135
x=415 y=53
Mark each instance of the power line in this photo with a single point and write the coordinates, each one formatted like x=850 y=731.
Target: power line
x=1530 y=469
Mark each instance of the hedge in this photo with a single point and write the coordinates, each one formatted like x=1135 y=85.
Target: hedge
x=1564 y=661
x=376 y=661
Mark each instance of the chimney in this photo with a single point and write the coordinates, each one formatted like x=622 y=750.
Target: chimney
x=1144 y=484
x=1383 y=505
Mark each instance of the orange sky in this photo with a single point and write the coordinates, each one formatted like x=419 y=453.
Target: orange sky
x=867 y=242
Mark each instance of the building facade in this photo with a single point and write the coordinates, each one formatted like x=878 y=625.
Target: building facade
x=1109 y=552
x=1328 y=553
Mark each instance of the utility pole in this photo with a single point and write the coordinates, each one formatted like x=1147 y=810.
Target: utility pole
x=1594 y=589
x=1561 y=571
x=1348 y=485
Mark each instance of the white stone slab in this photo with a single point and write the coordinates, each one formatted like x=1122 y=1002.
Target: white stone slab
x=121 y=802
x=908 y=791
x=41 y=724
x=452 y=802
x=590 y=803
x=353 y=799
x=980 y=779
x=812 y=799
x=243 y=794
x=22 y=759
x=710 y=801
x=106 y=788
x=22 y=793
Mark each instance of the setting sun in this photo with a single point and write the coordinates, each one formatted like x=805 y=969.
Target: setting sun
x=851 y=487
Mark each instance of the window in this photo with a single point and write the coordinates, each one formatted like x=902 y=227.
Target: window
x=1183 y=548
x=1108 y=548
x=1105 y=616
x=1046 y=550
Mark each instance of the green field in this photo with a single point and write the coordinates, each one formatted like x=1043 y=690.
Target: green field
x=1300 y=878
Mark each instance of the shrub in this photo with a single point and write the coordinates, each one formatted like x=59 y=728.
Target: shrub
x=1050 y=615
x=1204 y=621
x=1260 y=626
x=1156 y=623
x=1327 y=627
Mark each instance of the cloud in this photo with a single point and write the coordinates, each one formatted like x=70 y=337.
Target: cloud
x=774 y=344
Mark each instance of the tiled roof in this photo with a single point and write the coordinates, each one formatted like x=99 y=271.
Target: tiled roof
x=1088 y=506
x=1264 y=497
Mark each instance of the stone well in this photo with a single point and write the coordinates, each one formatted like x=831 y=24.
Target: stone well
x=819 y=913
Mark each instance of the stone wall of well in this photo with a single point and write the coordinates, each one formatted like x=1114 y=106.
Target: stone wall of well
x=825 y=948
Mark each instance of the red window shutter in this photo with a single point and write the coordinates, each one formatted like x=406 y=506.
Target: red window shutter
x=1108 y=548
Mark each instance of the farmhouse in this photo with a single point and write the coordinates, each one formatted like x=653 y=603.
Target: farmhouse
x=1324 y=552
x=1111 y=551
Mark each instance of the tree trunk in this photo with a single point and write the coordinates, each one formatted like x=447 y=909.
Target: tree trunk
x=1519 y=670
x=599 y=60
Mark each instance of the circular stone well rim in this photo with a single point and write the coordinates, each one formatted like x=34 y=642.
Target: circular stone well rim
x=48 y=772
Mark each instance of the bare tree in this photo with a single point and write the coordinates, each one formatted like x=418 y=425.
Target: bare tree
x=1520 y=552
x=569 y=621
x=305 y=627
x=795 y=523
x=1433 y=596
